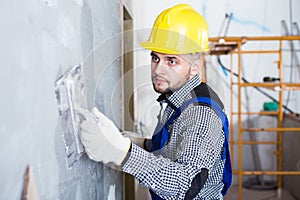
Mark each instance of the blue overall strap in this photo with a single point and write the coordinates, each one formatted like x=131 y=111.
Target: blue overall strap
x=227 y=171
x=160 y=138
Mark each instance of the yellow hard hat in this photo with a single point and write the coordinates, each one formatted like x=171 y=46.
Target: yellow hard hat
x=178 y=30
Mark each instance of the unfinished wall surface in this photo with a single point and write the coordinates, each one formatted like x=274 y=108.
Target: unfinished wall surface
x=40 y=40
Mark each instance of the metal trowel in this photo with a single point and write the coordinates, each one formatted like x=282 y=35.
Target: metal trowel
x=71 y=97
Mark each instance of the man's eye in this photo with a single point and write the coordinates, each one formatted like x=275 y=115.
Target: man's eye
x=155 y=59
x=172 y=62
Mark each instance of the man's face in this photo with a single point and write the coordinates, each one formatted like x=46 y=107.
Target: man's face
x=169 y=72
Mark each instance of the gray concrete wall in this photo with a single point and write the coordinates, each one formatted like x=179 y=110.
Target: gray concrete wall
x=40 y=40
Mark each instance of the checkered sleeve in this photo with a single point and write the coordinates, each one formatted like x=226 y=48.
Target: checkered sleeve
x=197 y=146
x=157 y=173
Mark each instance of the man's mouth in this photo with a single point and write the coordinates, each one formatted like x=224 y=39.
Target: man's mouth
x=159 y=80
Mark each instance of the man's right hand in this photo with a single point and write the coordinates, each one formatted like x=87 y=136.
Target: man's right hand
x=102 y=140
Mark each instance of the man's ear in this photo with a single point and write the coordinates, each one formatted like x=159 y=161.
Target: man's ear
x=196 y=67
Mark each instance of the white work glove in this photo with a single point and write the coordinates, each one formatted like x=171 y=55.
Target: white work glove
x=103 y=141
x=135 y=138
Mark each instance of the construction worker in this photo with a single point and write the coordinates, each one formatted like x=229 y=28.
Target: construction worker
x=188 y=155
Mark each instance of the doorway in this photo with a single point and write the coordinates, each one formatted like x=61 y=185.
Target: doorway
x=128 y=90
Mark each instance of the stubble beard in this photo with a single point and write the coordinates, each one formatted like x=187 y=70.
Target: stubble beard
x=169 y=90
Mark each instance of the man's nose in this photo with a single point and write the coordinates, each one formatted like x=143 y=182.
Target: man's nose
x=159 y=67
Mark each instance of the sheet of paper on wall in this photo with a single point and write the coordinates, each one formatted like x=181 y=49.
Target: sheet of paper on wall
x=71 y=96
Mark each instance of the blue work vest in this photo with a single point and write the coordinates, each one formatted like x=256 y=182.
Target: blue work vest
x=161 y=137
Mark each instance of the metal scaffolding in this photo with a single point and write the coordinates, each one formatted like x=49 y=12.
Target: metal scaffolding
x=233 y=47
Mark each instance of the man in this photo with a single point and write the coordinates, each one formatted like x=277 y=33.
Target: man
x=185 y=157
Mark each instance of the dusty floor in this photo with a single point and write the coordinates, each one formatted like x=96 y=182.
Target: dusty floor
x=258 y=194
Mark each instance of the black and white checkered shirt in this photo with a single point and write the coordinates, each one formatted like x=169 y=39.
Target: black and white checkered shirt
x=195 y=142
